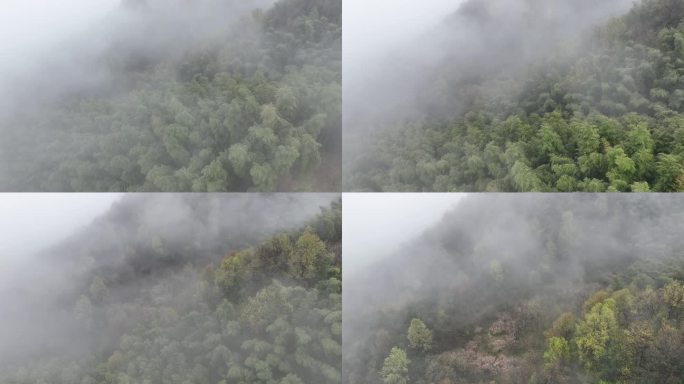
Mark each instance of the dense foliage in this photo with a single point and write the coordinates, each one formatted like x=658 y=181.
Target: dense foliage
x=628 y=335
x=256 y=108
x=169 y=311
x=609 y=118
x=526 y=289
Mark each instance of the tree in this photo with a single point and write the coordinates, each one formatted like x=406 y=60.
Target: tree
x=563 y=327
x=310 y=156
x=98 y=290
x=673 y=294
x=550 y=142
x=669 y=169
x=263 y=177
x=556 y=353
x=496 y=271
x=228 y=101
x=395 y=368
x=286 y=102
x=232 y=271
x=238 y=155
x=525 y=179
x=285 y=156
x=419 y=336
x=215 y=178
x=587 y=137
x=621 y=169
x=306 y=259
x=598 y=339
x=83 y=312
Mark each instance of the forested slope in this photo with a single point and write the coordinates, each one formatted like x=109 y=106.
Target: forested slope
x=599 y=111
x=183 y=289
x=531 y=289
x=214 y=95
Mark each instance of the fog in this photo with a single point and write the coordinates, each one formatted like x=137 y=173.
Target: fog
x=29 y=29
x=374 y=28
x=378 y=39
x=53 y=50
x=32 y=222
x=128 y=96
x=139 y=247
x=408 y=62
x=33 y=36
x=396 y=52
x=489 y=254
x=376 y=225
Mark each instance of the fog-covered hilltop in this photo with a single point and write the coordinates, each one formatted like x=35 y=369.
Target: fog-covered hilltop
x=182 y=289
x=209 y=95
x=526 y=289
x=530 y=96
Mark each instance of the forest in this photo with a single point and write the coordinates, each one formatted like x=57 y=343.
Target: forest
x=541 y=288
x=183 y=289
x=202 y=96
x=537 y=105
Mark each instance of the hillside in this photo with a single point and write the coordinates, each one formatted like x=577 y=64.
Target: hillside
x=183 y=289
x=540 y=104
x=525 y=289
x=205 y=96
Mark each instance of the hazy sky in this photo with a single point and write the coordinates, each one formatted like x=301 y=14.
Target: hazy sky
x=30 y=222
x=376 y=224
x=28 y=27
x=374 y=27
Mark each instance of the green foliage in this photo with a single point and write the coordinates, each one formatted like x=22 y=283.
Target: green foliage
x=395 y=367
x=254 y=108
x=606 y=118
x=556 y=352
x=673 y=294
x=548 y=288
x=563 y=327
x=245 y=318
x=308 y=258
x=598 y=337
x=419 y=336
x=621 y=336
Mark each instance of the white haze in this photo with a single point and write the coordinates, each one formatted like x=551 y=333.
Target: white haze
x=556 y=248
x=376 y=225
x=372 y=27
x=33 y=222
x=30 y=222
x=30 y=28
x=409 y=61
x=54 y=244
x=50 y=49
x=375 y=30
x=390 y=48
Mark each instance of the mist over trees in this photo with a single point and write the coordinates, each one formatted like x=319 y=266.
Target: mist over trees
x=205 y=96
x=531 y=96
x=525 y=289
x=182 y=289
